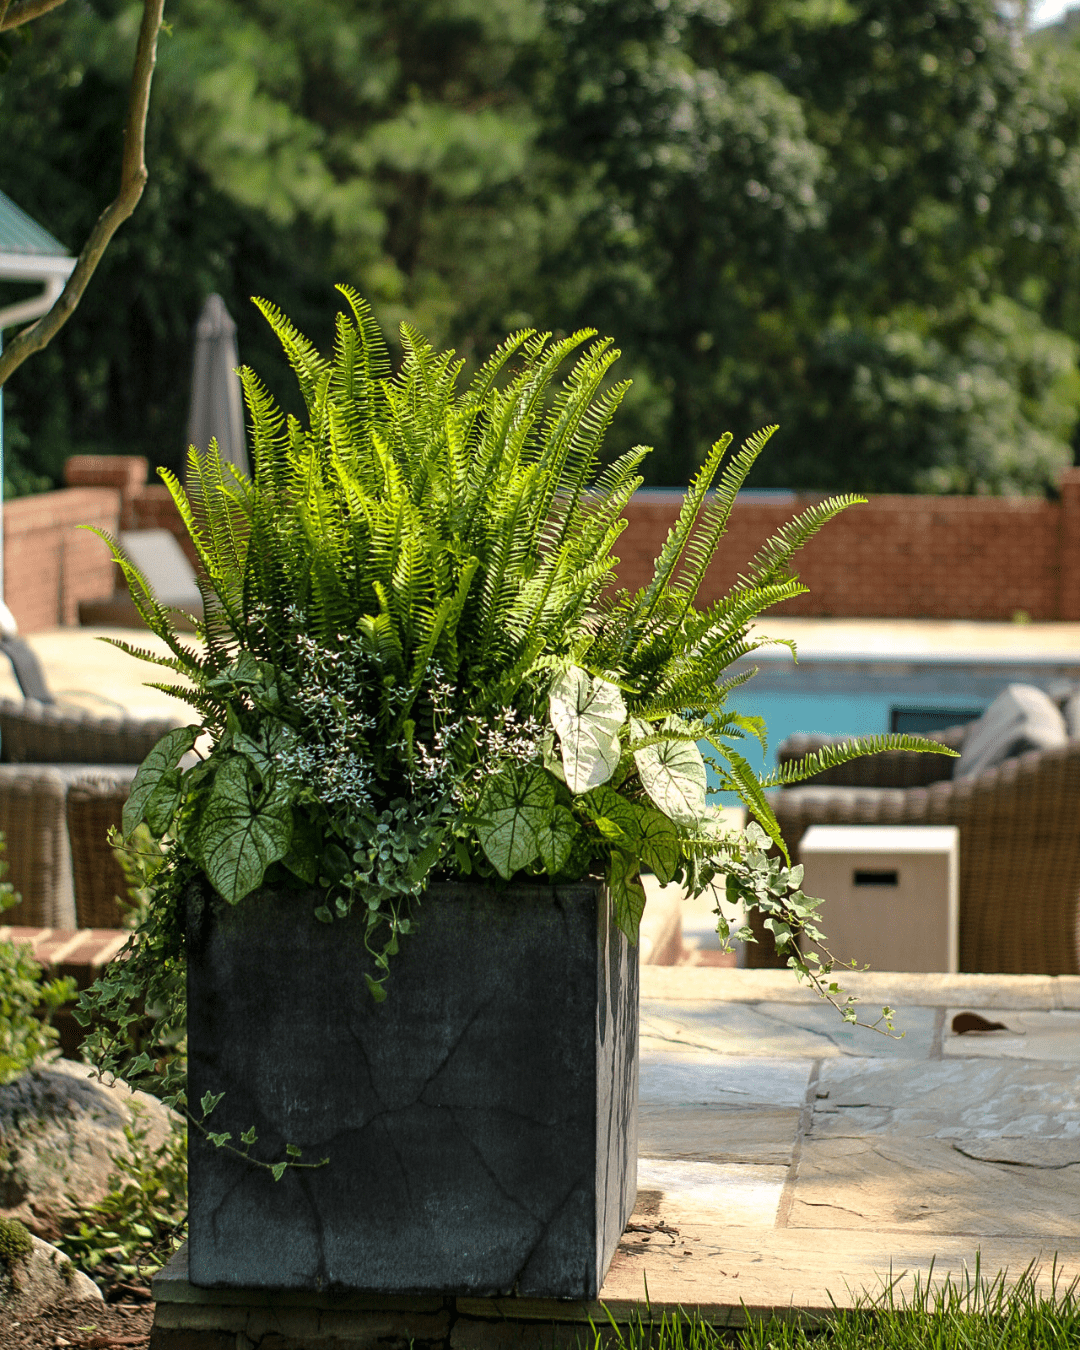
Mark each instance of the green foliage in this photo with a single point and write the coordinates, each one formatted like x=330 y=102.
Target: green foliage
x=969 y=1312
x=140 y=1221
x=136 y=1015
x=412 y=666
x=27 y=1000
x=859 y=220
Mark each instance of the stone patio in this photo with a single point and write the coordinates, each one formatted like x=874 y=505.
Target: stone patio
x=789 y=1162
x=803 y=1160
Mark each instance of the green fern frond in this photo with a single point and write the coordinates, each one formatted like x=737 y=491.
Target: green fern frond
x=771 y=563
x=302 y=354
x=713 y=524
x=830 y=756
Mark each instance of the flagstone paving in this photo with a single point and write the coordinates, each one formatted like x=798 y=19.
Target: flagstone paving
x=788 y=1159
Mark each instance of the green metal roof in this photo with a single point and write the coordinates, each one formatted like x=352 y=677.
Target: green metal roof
x=20 y=234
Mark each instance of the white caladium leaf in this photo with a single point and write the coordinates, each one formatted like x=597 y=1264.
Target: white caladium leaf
x=587 y=714
x=673 y=774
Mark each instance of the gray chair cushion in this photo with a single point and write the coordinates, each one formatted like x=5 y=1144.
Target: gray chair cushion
x=1021 y=718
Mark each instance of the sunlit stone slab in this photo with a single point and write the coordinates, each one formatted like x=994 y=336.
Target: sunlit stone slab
x=733 y=1193
x=947 y=1099
x=1052 y=1035
x=718 y=1133
x=701 y=1078
x=782 y=1029
x=683 y=984
x=725 y=1271
x=894 y=1181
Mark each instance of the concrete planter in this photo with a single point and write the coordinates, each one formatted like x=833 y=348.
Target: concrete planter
x=480 y=1125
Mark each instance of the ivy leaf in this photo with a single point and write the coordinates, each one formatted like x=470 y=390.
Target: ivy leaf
x=425 y=860
x=513 y=810
x=627 y=892
x=658 y=843
x=209 y=1101
x=587 y=714
x=278 y=1170
x=234 y=838
x=673 y=774
x=557 y=835
x=160 y=761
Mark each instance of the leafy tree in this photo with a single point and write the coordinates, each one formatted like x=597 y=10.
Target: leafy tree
x=857 y=218
x=833 y=253
x=133 y=173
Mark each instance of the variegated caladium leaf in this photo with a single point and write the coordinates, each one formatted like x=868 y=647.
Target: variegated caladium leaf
x=673 y=774
x=587 y=713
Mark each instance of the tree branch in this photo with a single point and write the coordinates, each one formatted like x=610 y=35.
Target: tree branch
x=11 y=15
x=133 y=176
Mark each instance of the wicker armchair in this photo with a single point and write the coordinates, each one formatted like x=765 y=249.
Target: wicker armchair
x=38 y=733
x=36 y=852
x=1019 y=829
x=94 y=803
x=55 y=820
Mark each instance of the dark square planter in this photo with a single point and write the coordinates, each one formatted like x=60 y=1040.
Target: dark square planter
x=480 y=1125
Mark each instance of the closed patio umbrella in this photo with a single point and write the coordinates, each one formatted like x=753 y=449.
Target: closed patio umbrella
x=216 y=404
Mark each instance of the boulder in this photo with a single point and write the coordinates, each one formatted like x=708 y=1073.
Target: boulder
x=34 y=1275
x=60 y=1128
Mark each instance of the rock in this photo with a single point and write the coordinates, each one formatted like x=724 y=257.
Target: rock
x=60 y=1129
x=34 y=1275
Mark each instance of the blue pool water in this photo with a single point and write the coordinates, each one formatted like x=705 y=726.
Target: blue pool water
x=863 y=695
x=840 y=714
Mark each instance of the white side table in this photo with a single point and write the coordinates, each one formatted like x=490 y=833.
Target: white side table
x=891 y=893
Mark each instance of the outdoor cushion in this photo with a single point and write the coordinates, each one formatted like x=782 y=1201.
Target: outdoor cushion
x=1021 y=718
x=162 y=562
x=27 y=668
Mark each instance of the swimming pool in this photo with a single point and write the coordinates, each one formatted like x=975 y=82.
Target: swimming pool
x=869 y=694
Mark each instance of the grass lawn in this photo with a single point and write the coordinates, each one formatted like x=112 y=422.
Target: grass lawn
x=979 y=1314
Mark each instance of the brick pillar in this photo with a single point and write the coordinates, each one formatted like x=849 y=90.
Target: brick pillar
x=125 y=472
x=1069 y=546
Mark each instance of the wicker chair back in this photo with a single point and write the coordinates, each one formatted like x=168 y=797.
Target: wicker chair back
x=94 y=804
x=1019 y=829
x=36 y=846
x=35 y=733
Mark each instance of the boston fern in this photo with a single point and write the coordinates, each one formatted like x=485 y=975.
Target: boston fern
x=413 y=665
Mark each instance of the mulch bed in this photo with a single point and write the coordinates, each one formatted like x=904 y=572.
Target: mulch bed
x=83 y=1325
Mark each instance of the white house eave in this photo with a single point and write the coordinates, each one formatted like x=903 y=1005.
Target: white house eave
x=51 y=269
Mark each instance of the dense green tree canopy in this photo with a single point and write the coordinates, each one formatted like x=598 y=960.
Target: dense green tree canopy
x=857 y=218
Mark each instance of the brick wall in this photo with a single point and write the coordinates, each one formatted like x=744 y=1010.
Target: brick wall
x=49 y=563
x=895 y=557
